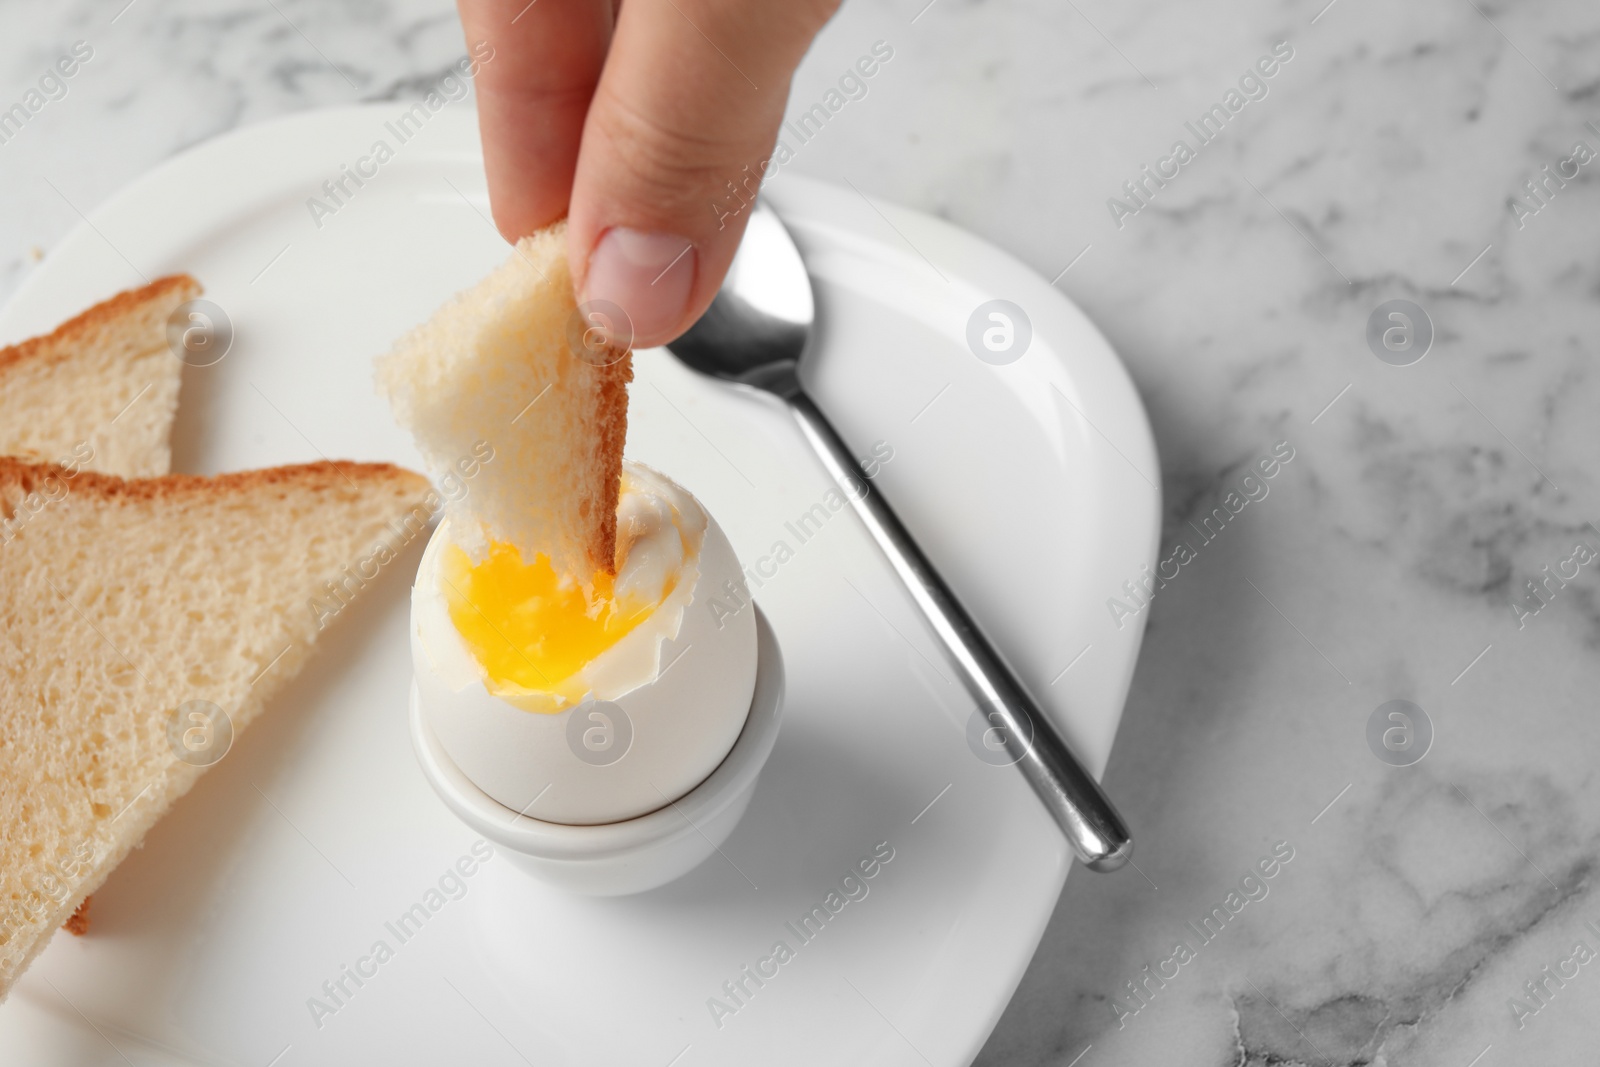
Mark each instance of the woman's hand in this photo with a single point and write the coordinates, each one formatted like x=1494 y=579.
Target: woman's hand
x=632 y=119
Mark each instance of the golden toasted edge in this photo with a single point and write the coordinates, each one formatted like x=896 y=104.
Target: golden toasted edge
x=181 y=286
x=612 y=418
x=78 y=923
x=24 y=477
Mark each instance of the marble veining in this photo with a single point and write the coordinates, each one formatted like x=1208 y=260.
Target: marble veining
x=1386 y=160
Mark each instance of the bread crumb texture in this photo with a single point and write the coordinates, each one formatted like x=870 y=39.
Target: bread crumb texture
x=121 y=600
x=495 y=363
x=100 y=391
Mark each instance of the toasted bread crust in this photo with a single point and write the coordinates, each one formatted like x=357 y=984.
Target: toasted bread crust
x=23 y=477
x=612 y=415
x=78 y=924
x=55 y=344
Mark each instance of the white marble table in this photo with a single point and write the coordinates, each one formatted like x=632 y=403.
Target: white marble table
x=1387 y=557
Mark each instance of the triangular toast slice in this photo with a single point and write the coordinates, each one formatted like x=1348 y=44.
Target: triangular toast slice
x=100 y=391
x=511 y=362
x=134 y=609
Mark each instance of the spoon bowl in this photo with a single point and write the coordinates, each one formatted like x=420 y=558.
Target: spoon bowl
x=760 y=323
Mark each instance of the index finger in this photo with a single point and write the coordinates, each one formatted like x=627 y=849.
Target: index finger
x=534 y=88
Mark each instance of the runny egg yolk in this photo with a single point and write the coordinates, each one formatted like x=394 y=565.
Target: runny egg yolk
x=531 y=630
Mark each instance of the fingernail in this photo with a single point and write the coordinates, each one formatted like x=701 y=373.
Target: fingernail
x=649 y=275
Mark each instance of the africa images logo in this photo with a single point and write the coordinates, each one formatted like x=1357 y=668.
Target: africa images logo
x=1207 y=128
x=338 y=191
x=853 y=886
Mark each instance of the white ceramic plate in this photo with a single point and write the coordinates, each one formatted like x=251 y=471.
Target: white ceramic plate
x=288 y=860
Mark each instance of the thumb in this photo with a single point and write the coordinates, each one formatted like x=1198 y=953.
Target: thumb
x=689 y=101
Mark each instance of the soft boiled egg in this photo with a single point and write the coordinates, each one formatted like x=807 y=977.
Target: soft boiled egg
x=596 y=702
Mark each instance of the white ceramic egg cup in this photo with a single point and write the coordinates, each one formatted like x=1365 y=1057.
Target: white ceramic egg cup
x=618 y=858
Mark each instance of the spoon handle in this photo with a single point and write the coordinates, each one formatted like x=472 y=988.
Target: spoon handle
x=1091 y=825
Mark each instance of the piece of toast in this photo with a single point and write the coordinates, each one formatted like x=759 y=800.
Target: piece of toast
x=131 y=605
x=56 y=388
x=100 y=391
x=496 y=364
